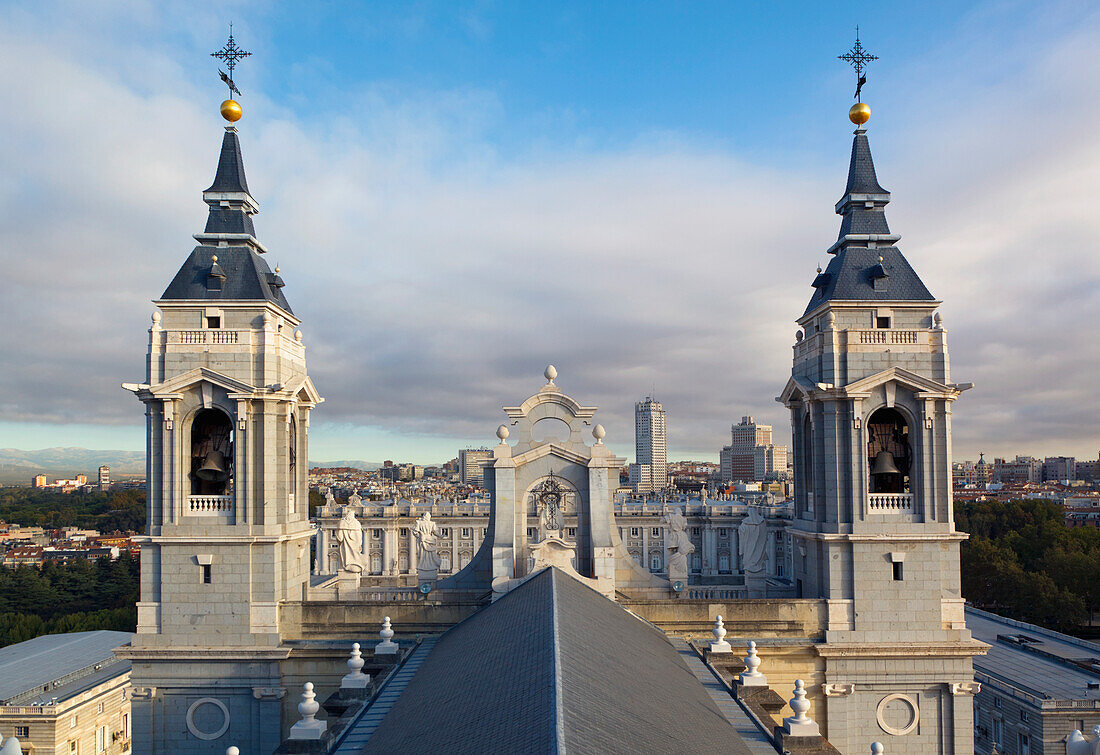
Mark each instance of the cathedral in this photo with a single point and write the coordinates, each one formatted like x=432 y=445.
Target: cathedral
x=537 y=629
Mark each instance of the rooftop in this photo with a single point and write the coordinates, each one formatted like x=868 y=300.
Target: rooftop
x=1036 y=661
x=58 y=665
x=553 y=667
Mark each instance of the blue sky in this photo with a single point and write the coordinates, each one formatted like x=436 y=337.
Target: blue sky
x=459 y=193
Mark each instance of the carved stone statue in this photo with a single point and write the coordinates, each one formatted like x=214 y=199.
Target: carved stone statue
x=330 y=502
x=752 y=537
x=679 y=546
x=349 y=535
x=426 y=533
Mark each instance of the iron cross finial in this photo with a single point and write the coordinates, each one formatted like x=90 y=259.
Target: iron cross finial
x=231 y=54
x=857 y=58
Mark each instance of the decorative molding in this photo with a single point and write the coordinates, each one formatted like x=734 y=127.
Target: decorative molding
x=143 y=693
x=914 y=714
x=837 y=690
x=269 y=693
x=207 y=735
x=965 y=688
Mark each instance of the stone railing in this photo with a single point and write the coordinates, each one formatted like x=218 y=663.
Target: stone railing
x=199 y=337
x=887 y=337
x=391 y=594
x=715 y=593
x=807 y=345
x=891 y=502
x=210 y=505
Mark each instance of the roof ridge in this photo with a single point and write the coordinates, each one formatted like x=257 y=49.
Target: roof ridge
x=555 y=631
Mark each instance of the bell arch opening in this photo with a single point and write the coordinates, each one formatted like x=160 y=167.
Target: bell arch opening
x=889 y=453
x=211 y=453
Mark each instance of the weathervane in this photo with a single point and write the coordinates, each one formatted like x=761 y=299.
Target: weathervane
x=231 y=54
x=857 y=58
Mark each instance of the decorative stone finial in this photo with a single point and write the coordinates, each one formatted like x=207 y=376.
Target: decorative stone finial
x=309 y=727
x=550 y=373
x=719 y=645
x=355 y=678
x=502 y=433
x=599 y=434
x=830 y=320
x=938 y=320
x=798 y=336
x=267 y=319
x=800 y=725
x=232 y=750
x=156 y=317
x=387 y=646
x=876 y=748
x=752 y=677
x=298 y=336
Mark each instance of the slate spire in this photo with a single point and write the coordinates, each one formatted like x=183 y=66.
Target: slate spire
x=866 y=266
x=230 y=175
x=228 y=264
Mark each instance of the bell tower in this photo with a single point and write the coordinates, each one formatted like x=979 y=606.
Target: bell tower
x=870 y=398
x=227 y=403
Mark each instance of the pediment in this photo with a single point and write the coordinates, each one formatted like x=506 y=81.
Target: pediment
x=911 y=380
x=795 y=389
x=550 y=449
x=304 y=392
x=197 y=376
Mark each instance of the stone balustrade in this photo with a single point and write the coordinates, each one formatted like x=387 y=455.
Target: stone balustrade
x=210 y=505
x=201 y=337
x=889 y=502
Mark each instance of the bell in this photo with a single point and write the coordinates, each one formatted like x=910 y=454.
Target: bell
x=884 y=464
x=213 y=468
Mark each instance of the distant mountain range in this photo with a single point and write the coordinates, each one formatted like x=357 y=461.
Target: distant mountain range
x=19 y=467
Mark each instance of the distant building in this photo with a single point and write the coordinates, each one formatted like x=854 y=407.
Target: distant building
x=39 y=481
x=1020 y=469
x=751 y=455
x=1089 y=470
x=67 y=693
x=650 y=470
x=1059 y=468
x=470 y=465
x=971 y=473
x=104 y=477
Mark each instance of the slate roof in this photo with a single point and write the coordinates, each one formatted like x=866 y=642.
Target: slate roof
x=553 y=667
x=230 y=175
x=864 y=237
x=241 y=273
x=29 y=666
x=247 y=277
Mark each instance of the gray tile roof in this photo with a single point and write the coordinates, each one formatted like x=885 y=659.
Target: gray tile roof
x=1043 y=668
x=32 y=665
x=554 y=666
x=247 y=277
x=861 y=169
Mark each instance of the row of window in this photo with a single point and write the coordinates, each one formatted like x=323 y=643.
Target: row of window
x=464 y=533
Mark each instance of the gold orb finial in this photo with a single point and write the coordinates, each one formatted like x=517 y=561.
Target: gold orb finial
x=231 y=111
x=859 y=114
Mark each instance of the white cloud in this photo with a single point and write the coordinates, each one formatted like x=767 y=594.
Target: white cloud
x=436 y=278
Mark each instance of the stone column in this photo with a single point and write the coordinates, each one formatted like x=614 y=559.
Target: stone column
x=454 y=549
x=387 y=549
x=412 y=548
x=710 y=549
x=645 y=547
x=323 y=549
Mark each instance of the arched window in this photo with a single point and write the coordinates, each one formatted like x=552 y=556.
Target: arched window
x=211 y=453
x=889 y=455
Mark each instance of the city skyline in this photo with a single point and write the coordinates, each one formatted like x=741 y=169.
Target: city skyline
x=365 y=171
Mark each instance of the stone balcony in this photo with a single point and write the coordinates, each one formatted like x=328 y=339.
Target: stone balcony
x=220 y=506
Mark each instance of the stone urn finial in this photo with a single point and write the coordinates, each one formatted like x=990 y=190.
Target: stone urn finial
x=309 y=727
x=751 y=676
x=387 y=646
x=599 y=434
x=800 y=725
x=550 y=373
x=502 y=433
x=719 y=645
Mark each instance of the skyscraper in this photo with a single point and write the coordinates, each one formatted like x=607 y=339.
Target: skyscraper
x=751 y=454
x=650 y=470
